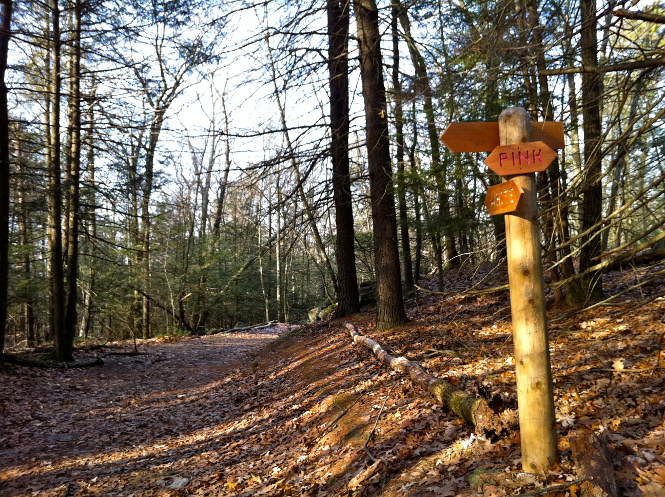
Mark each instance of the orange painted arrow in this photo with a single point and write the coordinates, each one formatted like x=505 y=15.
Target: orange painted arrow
x=503 y=198
x=522 y=158
x=484 y=137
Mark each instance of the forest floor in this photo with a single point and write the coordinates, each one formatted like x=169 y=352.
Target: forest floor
x=280 y=412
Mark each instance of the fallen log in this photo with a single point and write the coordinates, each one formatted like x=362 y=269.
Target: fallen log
x=49 y=364
x=131 y=354
x=593 y=458
x=90 y=347
x=253 y=327
x=473 y=410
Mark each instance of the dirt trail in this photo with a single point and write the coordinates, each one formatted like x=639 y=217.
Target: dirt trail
x=133 y=413
x=241 y=415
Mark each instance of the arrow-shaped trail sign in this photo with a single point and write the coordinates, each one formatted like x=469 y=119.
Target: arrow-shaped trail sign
x=503 y=198
x=521 y=158
x=484 y=137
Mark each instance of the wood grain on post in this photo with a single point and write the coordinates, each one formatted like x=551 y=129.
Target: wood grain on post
x=527 y=300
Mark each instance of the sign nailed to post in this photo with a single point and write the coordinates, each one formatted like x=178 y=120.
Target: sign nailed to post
x=521 y=158
x=503 y=198
x=484 y=137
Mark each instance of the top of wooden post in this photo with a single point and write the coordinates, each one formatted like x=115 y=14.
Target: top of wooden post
x=514 y=126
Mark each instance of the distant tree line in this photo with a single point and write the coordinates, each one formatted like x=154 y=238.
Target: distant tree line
x=119 y=218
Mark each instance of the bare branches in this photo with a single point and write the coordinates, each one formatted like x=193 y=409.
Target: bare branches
x=640 y=16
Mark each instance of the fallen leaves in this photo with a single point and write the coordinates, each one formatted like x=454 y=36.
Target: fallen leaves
x=195 y=417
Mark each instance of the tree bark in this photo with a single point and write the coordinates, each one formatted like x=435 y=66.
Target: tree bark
x=413 y=167
x=26 y=247
x=90 y=215
x=551 y=194
x=390 y=306
x=74 y=163
x=399 y=157
x=63 y=343
x=492 y=111
x=278 y=252
x=592 y=193
x=593 y=457
x=5 y=34
x=348 y=299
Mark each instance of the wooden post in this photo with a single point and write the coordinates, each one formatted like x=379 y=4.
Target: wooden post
x=527 y=300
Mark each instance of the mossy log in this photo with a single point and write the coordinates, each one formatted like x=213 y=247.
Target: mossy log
x=473 y=410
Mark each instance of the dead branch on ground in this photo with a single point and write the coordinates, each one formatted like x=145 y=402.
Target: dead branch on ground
x=474 y=410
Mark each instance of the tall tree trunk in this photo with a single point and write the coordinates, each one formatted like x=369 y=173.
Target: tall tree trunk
x=5 y=34
x=439 y=167
x=134 y=234
x=156 y=124
x=74 y=163
x=219 y=208
x=618 y=165
x=399 y=152
x=413 y=167
x=278 y=252
x=63 y=343
x=592 y=192
x=557 y=211
x=221 y=195
x=266 y=299
x=298 y=178
x=547 y=180
x=390 y=306
x=492 y=111
x=348 y=300
x=574 y=293
x=26 y=246
x=91 y=216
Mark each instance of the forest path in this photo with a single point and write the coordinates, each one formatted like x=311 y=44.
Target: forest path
x=245 y=415
x=136 y=412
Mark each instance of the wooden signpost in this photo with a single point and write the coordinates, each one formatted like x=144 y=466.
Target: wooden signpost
x=503 y=198
x=514 y=154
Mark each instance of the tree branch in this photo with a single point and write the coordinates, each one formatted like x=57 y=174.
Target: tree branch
x=640 y=16
x=624 y=66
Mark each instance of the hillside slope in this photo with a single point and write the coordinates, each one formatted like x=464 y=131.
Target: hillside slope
x=290 y=414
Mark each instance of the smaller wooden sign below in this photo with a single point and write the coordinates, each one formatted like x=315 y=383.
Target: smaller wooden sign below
x=522 y=158
x=503 y=198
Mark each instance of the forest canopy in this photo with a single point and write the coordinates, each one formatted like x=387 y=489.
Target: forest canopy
x=179 y=166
